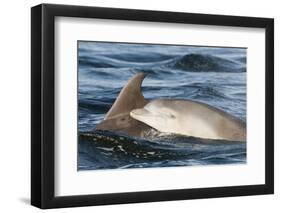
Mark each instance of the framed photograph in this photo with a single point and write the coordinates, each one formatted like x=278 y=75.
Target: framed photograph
x=139 y=106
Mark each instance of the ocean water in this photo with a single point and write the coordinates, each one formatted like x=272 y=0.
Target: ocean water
x=213 y=75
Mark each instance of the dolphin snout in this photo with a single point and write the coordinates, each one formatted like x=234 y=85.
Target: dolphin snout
x=139 y=112
x=136 y=112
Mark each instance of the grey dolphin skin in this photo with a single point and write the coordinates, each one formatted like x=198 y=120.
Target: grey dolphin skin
x=135 y=116
x=191 y=118
x=118 y=117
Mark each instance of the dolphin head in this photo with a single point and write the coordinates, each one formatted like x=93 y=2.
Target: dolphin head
x=119 y=122
x=158 y=115
x=123 y=123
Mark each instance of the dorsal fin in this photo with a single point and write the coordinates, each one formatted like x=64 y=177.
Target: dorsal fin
x=129 y=98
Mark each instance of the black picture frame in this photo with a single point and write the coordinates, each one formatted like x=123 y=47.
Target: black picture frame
x=43 y=102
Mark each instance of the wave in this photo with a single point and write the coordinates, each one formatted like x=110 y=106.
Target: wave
x=189 y=62
x=87 y=61
x=205 y=92
x=241 y=59
x=207 y=63
x=124 y=61
x=94 y=105
x=140 y=58
x=104 y=149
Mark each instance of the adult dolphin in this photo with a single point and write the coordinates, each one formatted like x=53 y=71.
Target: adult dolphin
x=191 y=118
x=118 y=117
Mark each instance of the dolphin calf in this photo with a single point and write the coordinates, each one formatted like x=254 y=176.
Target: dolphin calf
x=133 y=115
x=190 y=118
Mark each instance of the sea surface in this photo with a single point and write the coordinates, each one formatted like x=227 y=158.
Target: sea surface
x=213 y=75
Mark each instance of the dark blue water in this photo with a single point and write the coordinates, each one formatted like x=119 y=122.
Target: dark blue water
x=216 y=76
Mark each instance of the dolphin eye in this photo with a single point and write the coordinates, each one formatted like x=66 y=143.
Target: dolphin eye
x=172 y=116
x=169 y=114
